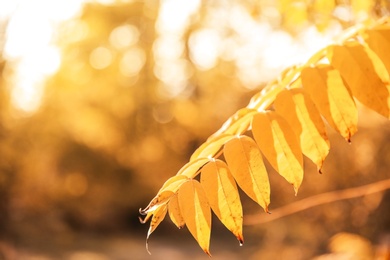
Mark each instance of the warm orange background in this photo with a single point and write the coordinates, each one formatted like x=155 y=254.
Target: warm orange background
x=102 y=101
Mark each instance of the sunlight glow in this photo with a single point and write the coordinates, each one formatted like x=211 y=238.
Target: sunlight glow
x=100 y=58
x=26 y=94
x=174 y=15
x=124 y=36
x=7 y=8
x=170 y=67
x=168 y=48
x=29 y=47
x=204 y=46
x=259 y=51
x=132 y=62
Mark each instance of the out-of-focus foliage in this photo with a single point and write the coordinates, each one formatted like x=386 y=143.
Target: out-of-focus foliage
x=140 y=85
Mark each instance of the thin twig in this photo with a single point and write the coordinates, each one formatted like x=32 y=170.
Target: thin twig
x=316 y=201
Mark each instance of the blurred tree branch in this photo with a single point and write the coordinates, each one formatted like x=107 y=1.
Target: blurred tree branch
x=317 y=200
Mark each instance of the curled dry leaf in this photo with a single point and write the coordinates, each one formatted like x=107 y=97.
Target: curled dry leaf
x=246 y=165
x=222 y=194
x=327 y=89
x=196 y=212
x=279 y=145
x=305 y=120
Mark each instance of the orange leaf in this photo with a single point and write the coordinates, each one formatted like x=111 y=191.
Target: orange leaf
x=246 y=165
x=174 y=212
x=222 y=194
x=168 y=189
x=279 y=145
x=379 y=41
x=364 y=73
x=158 y=216
x=300 y=112
x=334 y=101
x=237 y=123
x=196 y=212
x=211 y=146
x=191 y=169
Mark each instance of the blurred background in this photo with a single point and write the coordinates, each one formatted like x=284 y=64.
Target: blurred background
x=102 y=101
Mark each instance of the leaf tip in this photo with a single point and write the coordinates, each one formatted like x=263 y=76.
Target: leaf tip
x=349 y=138
x=147 y=246
x=296 y=190
x=142 y=211
x=207 y=252
x=143 y=221
x=240 y=240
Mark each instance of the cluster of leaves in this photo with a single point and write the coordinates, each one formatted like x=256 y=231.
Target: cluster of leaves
x=286 y=122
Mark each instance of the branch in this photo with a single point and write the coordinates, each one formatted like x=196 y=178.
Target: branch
x=316 y=201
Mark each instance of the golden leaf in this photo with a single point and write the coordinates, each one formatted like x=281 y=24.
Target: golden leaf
x=174 y=212
x=245 y=162
x=364 y=73
x=222 y=194
x=378 y=40
x=279 y=145
x=211 y=146
x=158 y=216
x=191 y=169
x=196 y=212
x=168 y=189
x=332 y=98
x=237 y=123
x=264 y=99
x=305 y=120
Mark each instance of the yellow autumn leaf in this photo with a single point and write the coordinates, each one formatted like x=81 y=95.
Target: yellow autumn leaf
x=237 y=123
x=222 y=194
x=158 y=216
x=305 y=120
x=364 y=73
x=327 y=89
x=196 y=212
x=168 y=189
x=174 y=212
x=279 y=145
x=211 y=147
x=378 y=39
x=191 y=169
x=245 y=162
x=172 y=183
x=264 y=99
